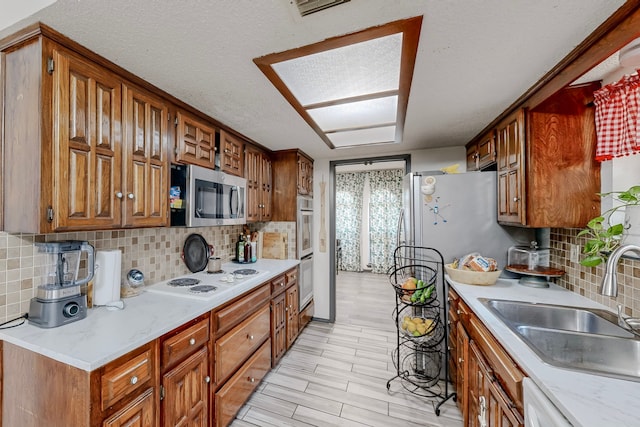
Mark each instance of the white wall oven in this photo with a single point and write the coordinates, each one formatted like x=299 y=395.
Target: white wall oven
x=304 y=246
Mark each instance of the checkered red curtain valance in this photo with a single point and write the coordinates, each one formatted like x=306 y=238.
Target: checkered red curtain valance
x=617 y=114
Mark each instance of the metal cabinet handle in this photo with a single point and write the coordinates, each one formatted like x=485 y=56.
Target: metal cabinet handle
x=118 y=194
x=192 y=341
x=458 y=311
x=251 y=379
x=250 y=337
x=207 y=379
x=130 y=196
x=133 y=380
x=460 y=360
x=516 y=199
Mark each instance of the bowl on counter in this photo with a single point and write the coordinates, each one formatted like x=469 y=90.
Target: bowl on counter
x=468 y=277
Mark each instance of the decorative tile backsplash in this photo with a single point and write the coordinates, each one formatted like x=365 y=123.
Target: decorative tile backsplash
x=154 y=251
x=586 y=280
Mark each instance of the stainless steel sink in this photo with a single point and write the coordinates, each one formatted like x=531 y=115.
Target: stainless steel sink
x=577 y=319
x=577 y=338
x=597 y=354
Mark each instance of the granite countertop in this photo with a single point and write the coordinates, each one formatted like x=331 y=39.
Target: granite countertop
x=105 y=335
x=585 y=400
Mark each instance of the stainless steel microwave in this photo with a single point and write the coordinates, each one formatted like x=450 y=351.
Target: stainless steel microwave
x=201 y=197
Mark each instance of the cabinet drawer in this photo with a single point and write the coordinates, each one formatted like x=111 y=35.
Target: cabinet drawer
x=230 y=398
x=231 y=315
x=238 y=344
x=278 y=285
x=292 y=276
x=126 y=378
x=503 y=367
x=180 y=346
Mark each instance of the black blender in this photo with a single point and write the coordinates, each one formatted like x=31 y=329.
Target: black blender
x=59 y=300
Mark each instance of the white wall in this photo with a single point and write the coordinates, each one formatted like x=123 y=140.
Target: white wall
x=421 y=160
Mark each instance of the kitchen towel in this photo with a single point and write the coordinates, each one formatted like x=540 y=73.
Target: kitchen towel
x=106 y=287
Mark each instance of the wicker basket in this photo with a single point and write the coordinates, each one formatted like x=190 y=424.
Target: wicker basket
x=472 y=277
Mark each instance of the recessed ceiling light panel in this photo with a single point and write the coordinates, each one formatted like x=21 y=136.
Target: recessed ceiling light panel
x=354 y=89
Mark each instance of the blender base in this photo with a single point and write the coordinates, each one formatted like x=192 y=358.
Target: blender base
x=54 y=313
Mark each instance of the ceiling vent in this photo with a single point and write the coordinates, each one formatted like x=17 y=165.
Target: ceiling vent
x=307 y=7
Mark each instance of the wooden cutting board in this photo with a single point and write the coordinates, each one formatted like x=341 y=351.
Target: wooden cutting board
x=274 y=245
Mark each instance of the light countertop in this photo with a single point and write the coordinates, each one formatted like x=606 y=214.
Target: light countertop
x=585 y=400
x=105 y=335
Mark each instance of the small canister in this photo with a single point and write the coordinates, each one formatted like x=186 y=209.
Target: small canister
x=214 y=265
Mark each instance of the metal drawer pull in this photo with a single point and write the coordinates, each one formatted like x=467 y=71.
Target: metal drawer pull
x=251 y=379
x=458 y=311
x=250 y=336
x=192 y=341
x=133 y=380
x=130 y=195
x=207 y=379
x=119 y=194
x=460 y=360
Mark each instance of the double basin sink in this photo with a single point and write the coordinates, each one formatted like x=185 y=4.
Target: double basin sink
x=578 y=338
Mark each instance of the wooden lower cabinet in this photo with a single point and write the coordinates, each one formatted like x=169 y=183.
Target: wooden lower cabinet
x=186 y=392
x=230 y=397
x=278 y=328
x=293 y=312
x=137 y=414
x=488 y=383
x=46 y=392
x=238 y=344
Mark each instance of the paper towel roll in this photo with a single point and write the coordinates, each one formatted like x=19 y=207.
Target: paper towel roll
x=106 y=286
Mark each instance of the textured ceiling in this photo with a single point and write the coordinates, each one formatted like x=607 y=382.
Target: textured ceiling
x=475 y=57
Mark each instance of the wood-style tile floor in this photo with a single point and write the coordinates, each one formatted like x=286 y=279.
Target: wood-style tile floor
x=336 y=374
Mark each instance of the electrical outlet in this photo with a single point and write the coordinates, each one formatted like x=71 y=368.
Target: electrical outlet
x=574 y=253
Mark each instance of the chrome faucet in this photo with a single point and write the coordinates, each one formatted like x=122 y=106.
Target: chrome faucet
x=609 y=285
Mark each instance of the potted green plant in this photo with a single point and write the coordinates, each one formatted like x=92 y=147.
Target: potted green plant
x=604 y=237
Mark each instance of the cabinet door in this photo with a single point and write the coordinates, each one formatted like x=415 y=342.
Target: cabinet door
x=462 y=371
x=486 y=151
x=252 y=172
x=139 y=413
x=472 y=157
x=477 y=402
x=232 y=154
x=278 y=328
x=145 y=159
x=88 y=140
x=186 y=393
x=511 y=197
x=292 y=314
x=305 y=175
x=195 y=141
x=266 y=181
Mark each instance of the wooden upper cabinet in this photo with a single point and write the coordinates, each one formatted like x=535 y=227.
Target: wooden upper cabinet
x=231 y=154
x=481 y=154
x=258 y=175
x=510 y=142
x=87 y=133
x=305 y=175
x=547 y=175
x=195 y=141
x=292 y=175
x=146 y=163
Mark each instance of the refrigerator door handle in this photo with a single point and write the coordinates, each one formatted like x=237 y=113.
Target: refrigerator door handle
x=399 y=228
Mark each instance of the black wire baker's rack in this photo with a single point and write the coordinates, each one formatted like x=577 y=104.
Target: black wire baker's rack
x=421 y=354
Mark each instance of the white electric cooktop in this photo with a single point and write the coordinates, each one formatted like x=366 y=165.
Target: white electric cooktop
x=203 y=285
